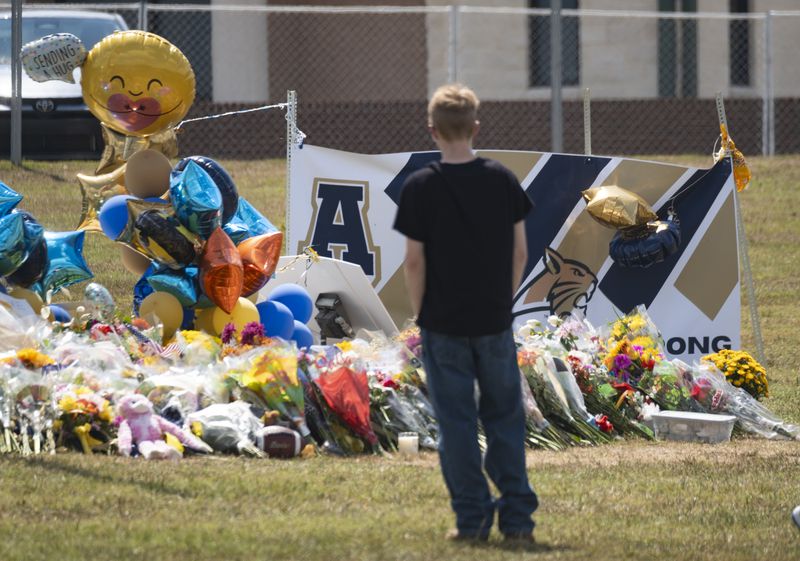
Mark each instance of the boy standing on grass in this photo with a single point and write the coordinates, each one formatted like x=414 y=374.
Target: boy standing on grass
x=463 y=219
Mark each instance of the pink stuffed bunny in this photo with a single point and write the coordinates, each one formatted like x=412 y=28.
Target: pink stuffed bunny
x=147 y=430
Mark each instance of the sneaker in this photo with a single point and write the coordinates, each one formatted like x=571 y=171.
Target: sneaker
x=455 y=536
x=519 y=538
x=796 y=516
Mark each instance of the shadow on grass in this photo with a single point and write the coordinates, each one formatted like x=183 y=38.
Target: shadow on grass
x=60 y=467
x=53 y=176
x=502 y=545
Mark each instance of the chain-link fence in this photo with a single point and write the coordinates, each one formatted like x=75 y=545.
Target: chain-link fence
x=363 y=74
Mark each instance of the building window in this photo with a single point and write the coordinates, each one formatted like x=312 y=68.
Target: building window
x=539 y=46
x=739 y=41
x=677 y=51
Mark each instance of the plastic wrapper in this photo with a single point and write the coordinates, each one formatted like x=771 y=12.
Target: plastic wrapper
x=402 y=409
x=346 y=392
x=713 y=392
x=227 y=427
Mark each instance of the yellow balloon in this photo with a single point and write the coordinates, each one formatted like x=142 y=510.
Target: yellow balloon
x=243 y=313
x=164 y=308
x=137 y=83
x=29 y=296
x=204 y=321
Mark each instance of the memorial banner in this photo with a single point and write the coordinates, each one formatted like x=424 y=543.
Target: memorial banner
x=343 y=205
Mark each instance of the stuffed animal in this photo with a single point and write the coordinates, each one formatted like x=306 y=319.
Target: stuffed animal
x=142 y=427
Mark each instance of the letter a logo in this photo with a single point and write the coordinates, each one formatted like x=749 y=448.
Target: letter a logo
x=340 y=227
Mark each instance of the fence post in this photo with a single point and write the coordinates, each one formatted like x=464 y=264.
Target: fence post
x=556 y=108
x=291 y=144
x=744 y=255
x=768 y=128
x=16 y=83
x=587 y=122
x=452 y=45
x=143 y=15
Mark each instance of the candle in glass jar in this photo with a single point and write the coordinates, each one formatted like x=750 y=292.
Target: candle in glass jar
x=408 y=443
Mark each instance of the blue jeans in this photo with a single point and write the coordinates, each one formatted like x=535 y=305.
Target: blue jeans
x=452 y=365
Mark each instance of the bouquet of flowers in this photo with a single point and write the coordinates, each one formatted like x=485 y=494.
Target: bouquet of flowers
x=85 y=418
x=741 y=370
x=713 y=392
x=617 y=407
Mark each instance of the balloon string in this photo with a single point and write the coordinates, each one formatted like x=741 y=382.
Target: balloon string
x=229 y=113
x=309 y=255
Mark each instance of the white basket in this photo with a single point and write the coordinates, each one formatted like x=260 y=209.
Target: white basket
x=693 y=427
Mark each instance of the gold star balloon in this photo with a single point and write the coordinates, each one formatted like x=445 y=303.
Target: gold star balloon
x=96 y=190
x=120 y=147
x=616 y=207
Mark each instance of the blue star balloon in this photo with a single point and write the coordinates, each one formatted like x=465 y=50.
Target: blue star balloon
x=247 y=222
x=65 y=262
x=12 y=243
x=33 y=267
x=8 y=199
x=182 y=284
x=221 y=178
x=197 y=199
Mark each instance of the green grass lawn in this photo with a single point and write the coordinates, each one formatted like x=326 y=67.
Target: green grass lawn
x=629 y=500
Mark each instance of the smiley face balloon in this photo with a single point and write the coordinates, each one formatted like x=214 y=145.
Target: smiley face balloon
x=137 y=83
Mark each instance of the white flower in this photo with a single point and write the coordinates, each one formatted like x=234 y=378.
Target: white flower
x=554 y=321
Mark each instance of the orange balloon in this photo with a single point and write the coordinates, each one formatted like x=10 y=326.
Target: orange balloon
x=221 y=271
x=260 y=256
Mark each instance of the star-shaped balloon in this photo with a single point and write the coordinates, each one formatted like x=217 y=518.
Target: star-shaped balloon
x=616 y=207
x=96 y=190
x=260 y=256
x=221 y=271
x=8 y=198
x=65 y=262
x=154 y=231
x=12 y=243
x=120 y=147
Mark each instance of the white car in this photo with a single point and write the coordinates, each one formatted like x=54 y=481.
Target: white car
x=55 y=122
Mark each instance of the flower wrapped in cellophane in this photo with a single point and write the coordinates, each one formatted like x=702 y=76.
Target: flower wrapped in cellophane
x=716 y=395
x=633 y=347
x=616 y=406
x=270 y=377
x=85 y=418
x=741 y=370
x=553 y=400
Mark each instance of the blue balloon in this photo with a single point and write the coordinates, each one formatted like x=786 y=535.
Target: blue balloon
x=196 y=199
x=65 y=262
x=296 y=298
x=247 y=222
x=12 y=243
x=59 y=313
x=142 y=289
x=113 y=215
x=188 y=318
x=302 y=335
x=32 y=270
x=223 y=181
x=182 y=284
x=8 y=199
x=34 y=232
x=276 y=318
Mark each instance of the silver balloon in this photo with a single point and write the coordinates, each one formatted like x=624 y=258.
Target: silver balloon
x=99 y=300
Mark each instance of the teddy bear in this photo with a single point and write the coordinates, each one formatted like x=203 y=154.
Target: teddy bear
x=146 y=429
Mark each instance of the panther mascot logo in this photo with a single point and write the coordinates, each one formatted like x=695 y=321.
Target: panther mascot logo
x=563 y=285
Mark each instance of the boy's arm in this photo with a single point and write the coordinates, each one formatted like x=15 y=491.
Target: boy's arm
x=414 y=269
x=520 y=256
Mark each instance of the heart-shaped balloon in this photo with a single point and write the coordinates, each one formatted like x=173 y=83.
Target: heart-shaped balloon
x=53 y=57
x=197 y=199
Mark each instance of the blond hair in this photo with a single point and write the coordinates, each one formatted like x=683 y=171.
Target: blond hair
x=452 y=111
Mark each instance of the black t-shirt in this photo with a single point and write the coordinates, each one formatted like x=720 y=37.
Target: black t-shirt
x=464 y=214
